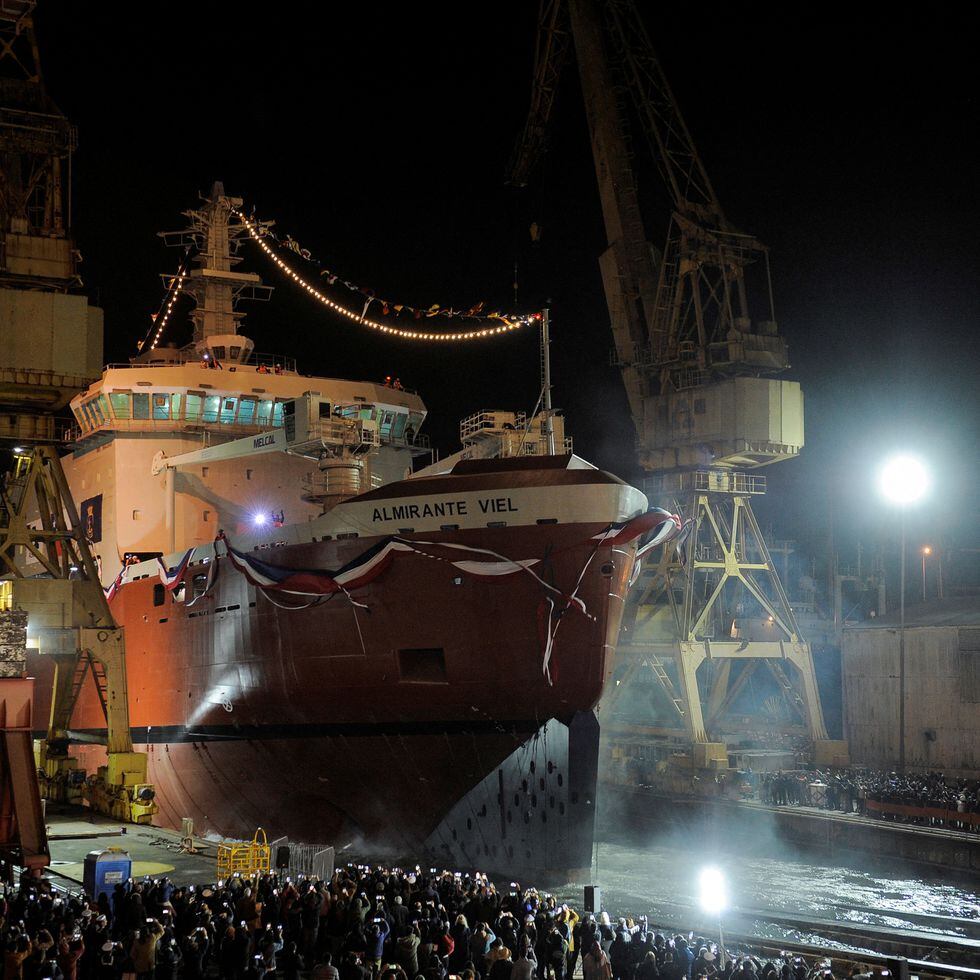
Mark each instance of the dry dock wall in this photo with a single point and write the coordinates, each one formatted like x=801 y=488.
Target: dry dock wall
x=942 y=697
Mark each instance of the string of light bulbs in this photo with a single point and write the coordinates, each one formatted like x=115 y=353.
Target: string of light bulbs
x=167 y=306
x=505 y=324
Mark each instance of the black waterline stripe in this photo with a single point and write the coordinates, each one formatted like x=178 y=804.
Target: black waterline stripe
x=157 y=735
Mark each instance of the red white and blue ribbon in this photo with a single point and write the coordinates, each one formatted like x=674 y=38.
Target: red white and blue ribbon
x=661 y=524
x=314 y=583
x=307 y=582
x=172 y=577
x=113 y=587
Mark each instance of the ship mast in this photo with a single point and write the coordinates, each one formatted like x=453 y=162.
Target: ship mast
x=212 y=240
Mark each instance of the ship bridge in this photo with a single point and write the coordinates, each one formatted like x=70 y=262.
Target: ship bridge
x=224 y=403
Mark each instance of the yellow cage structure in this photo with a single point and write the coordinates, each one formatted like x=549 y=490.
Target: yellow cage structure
x=244 y=857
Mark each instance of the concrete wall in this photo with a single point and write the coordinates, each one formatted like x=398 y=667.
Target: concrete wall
x=942 y=704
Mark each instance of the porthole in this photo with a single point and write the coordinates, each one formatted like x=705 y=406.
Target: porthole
x=531 y=767
x=534 y=799
x=551 y=802
x=561 y=781
x=541 y=783
x=469 y=823
x=551 y=767
x=561 y=808
x=607 y=569
x=517 y=799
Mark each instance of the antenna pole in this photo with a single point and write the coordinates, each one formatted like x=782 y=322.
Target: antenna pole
x=549 y=427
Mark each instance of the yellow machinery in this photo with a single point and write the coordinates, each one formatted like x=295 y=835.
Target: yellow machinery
x=51 y=348
x=243 y=857
x=52 y=576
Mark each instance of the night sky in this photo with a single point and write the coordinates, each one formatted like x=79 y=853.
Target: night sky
x=378 y=134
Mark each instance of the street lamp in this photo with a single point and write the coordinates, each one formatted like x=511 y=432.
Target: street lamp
x=903 y=480
x=714 y=900
x=925 y=552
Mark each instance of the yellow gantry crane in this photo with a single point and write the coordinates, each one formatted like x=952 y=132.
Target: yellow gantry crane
x=50 y=574
x=701 y=380
x=51 y=597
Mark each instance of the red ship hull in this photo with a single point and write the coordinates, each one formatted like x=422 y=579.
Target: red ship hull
x=335 y=721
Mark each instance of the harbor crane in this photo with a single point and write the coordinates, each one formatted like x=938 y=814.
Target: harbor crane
x=51 y=597
x=703 y=384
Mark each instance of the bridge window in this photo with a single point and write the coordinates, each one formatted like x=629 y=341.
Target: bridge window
x=219 y=352
x=212 y=403
x=401 y=419
x=265 y=412
x=121 y=406
x=277 y=415
x=161 y=408
x=141 y=405
x=175 y=405
x=195 y=403
x=228 y=406
x=246 y=411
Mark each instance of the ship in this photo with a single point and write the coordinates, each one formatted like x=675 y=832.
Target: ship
x=328 y=633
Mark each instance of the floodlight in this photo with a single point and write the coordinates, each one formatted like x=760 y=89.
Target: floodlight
x=903 y=480
x=714 y=892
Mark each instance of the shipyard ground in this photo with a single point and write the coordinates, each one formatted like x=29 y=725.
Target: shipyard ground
x=74 y=831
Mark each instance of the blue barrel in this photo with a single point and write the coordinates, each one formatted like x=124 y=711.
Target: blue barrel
x=106 y=869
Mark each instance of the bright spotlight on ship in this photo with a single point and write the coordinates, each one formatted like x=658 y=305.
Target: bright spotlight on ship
x=259 y=519
x=714 y=892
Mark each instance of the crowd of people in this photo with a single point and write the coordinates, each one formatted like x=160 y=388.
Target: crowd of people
x=849 y=790
x=362 y=924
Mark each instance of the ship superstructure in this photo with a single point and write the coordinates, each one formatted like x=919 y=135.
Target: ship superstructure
x=217 y=389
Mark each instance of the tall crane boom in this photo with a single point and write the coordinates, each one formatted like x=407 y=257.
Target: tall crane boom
x=698 y=373
x=679 y=318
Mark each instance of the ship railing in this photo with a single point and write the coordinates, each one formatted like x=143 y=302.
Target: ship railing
x=178 y=358
x=485 y=420
x=539 y=446
x=187 y=424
